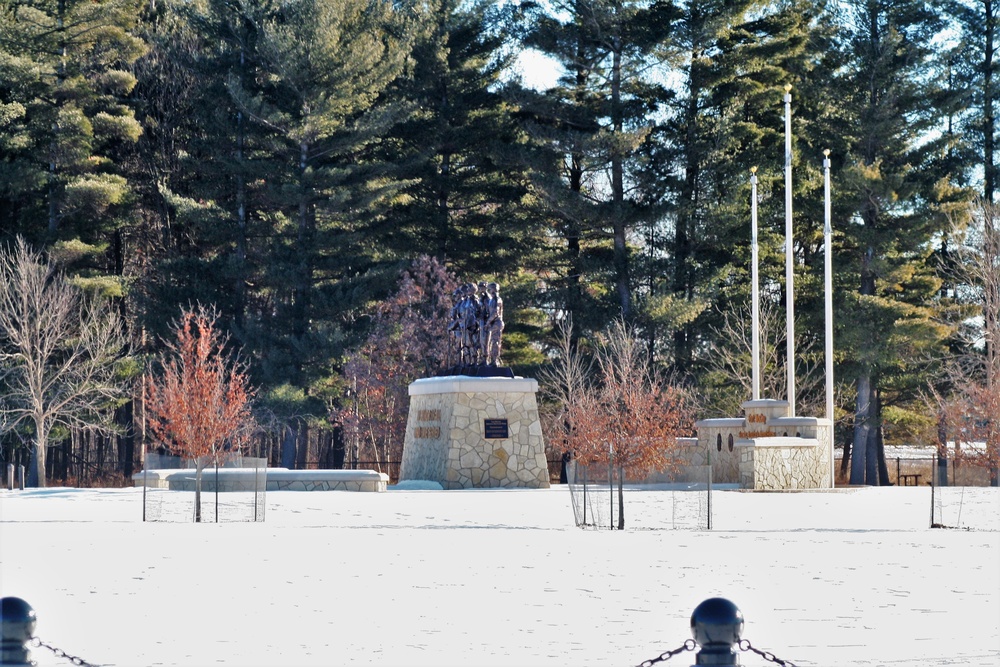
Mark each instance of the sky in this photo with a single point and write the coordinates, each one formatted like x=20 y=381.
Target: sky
x=504 y=577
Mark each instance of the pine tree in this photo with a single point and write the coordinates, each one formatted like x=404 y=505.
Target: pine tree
x=64 y=90
x=900 y=203
x=313 y=101
x=589 y=129
x=726 y=117
x=976 y=73
x=457 y=151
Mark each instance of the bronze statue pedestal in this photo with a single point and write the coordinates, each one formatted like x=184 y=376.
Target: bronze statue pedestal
x=475 y=432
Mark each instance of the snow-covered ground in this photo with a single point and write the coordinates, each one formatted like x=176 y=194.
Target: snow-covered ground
x=420 y=577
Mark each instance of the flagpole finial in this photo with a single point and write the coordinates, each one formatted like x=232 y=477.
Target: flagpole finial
x=826 y=152
x=753 y=170
x=788 y=88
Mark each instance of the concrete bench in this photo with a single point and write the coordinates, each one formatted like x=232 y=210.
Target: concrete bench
x=278 y=479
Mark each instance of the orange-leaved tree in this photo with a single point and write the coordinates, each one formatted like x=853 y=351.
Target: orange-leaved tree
x=198 y=404
x=626 y=414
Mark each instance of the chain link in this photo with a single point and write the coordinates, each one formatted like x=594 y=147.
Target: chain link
x=767 y=655
x=59 y=653
x=689 y=645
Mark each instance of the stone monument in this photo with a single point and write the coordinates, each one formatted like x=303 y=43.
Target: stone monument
x=770 y=447
x=476 y=426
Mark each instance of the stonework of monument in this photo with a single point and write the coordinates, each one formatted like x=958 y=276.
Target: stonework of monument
x=474 y=432
x=766 y=450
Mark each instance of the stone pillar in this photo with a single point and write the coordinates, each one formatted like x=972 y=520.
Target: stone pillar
x=465 y=432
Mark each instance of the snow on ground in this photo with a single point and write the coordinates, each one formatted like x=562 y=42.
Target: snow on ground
x=492 y=577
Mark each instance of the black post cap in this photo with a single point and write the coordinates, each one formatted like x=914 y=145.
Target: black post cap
x=717 y=624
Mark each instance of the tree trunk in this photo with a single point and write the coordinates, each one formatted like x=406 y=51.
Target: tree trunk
x=845 y=460
x=877 y=444
x=126 y=445
x=618 y=190
x=685 y=224
x=989 y=140
x=862 y=423
x=36 y=466
x=621 y=498
x=302 y=458
x=942 y=469
x=883 y=468
x=288 y=446
x=199 y=466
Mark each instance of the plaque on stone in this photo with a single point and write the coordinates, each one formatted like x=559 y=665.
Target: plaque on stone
x=495 y=429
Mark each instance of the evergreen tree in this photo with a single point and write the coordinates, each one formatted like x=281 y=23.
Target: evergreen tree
x=726 y=117
x=313 y=95
x=457 y=151
x=63 y=90
x=900 y=205
x=976 y=73
x=589 y=129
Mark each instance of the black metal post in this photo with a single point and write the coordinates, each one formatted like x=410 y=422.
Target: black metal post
x=716 y=625
x=932 y=493
x=17 y=627
x=10 y=476
x=20 y=477
x=709 y=503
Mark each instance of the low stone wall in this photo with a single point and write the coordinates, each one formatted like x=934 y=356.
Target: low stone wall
x=278 y=479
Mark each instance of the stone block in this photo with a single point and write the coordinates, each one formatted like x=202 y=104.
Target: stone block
x=461 y=457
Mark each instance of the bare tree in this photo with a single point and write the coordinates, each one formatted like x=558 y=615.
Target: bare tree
x=732 y=364
x=971 y=412
x=60 y=353
x=627 y=414
x=409 y=340
x=562 y=384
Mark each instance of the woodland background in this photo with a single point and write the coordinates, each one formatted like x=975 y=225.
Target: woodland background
x=321 y=172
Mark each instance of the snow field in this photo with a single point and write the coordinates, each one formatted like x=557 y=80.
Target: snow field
x=494 y=577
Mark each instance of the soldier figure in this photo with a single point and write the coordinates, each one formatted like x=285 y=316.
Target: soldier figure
x=493 y=328
x=470 y=324
x=476 y=324
x=455 y=327
x=481 y=299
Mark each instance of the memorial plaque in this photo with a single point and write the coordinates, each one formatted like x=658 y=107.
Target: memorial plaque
x=495 y=429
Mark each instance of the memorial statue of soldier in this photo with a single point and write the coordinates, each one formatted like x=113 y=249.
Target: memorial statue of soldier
x=469 y=312
x=455 y=328
x=476 y=325
x=481 y=314
x=493 y=328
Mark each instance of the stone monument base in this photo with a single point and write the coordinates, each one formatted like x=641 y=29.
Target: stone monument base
x=473 y=432
x=766 y=449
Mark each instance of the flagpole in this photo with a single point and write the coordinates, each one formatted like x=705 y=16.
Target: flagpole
x=755 y=289
x=789 y=267
x=828 y=289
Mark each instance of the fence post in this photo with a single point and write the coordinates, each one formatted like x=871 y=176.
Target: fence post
x=10 y=476
x=20 y=477
x=716 y=625
x=17 y=627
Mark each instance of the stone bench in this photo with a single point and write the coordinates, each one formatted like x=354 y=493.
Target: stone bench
x=278 y=479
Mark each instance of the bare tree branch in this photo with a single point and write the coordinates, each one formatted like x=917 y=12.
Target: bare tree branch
x=59 y=353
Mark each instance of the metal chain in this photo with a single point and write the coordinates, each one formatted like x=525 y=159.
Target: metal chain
x=59 y=653
x=767 y=655
x=689 y=645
